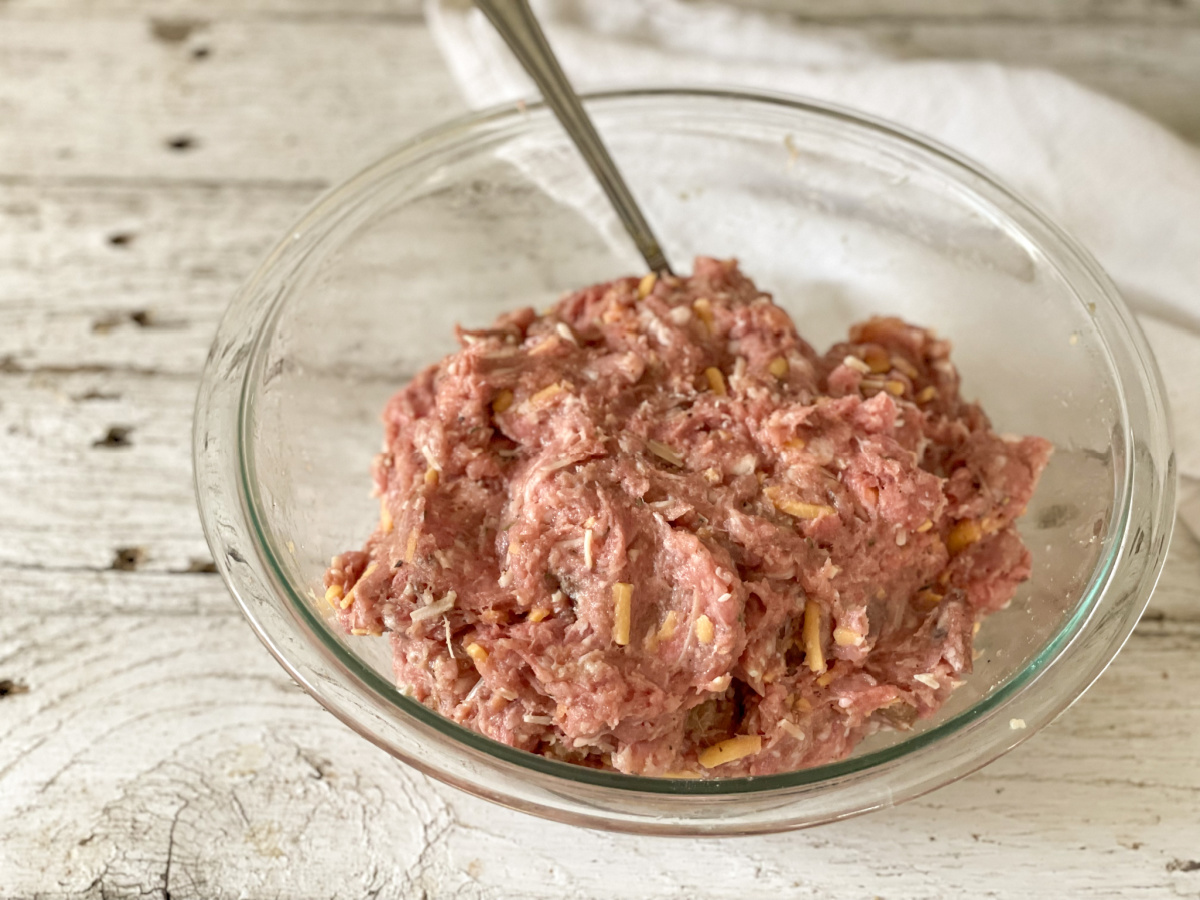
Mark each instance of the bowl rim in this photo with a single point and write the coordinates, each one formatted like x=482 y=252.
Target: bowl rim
x=451 y=134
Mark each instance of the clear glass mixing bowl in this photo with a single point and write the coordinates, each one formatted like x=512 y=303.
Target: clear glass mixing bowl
x=840 y=217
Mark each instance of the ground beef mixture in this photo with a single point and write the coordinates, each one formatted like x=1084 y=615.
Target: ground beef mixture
x=653 y=530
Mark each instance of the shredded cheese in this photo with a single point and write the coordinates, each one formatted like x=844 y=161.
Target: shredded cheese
x=622 y=611
x=503 y=401
x=716 y=381
x=730 y=750
x=546 y=393
x=877 y=360
x=666 y=631
x=846 y=637
x=646 y=285
x=796 y=508
x=963 y=535
x=476 y=652
x=814 y=656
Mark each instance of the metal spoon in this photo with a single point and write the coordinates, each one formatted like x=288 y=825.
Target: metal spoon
x=517 y=24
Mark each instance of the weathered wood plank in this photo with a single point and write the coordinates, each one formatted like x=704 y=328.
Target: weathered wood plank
x=190 y=765
x=177 y=13
x=269 y=100
x=311 y=101
x=73 y=497
x=128 y=277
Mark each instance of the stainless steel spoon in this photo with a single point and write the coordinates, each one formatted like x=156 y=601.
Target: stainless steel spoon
x=517 y=24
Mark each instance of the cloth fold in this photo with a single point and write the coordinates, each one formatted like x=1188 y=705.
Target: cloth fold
x=1123 y=185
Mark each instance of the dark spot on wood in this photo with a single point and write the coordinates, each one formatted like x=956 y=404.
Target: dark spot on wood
x=181 y=143
x=128 y=559
x=116 y=437
x=106 y=324
x=121 y=238
x=201 y=566
x=321 y=767
x=235 y=555
x=8 y=687
x=142 y=318
x=1184 y=865
x=174 y=31
x=200 y=53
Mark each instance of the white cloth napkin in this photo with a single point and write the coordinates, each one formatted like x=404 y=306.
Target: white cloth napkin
x=1123 y=185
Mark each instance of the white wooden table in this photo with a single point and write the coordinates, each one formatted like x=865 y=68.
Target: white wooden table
x=150 y=152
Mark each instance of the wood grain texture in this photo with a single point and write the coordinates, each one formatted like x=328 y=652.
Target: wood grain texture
x=274 y=101
x=149 y=746
x=117 y=276
x=261 y=104
x=192 y=767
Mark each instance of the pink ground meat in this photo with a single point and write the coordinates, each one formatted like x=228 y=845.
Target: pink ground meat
x=653 y=530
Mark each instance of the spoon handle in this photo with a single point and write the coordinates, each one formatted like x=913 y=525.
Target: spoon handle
x=519 y=28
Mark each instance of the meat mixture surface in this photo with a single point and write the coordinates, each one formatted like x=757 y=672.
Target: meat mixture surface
x=653 y=530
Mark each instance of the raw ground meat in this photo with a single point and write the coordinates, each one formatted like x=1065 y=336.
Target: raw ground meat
x=653 y=530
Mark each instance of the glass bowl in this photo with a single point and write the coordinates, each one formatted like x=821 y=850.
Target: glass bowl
x=839 y=216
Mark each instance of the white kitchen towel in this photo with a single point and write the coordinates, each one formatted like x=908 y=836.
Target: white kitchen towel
x=1123 y=185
